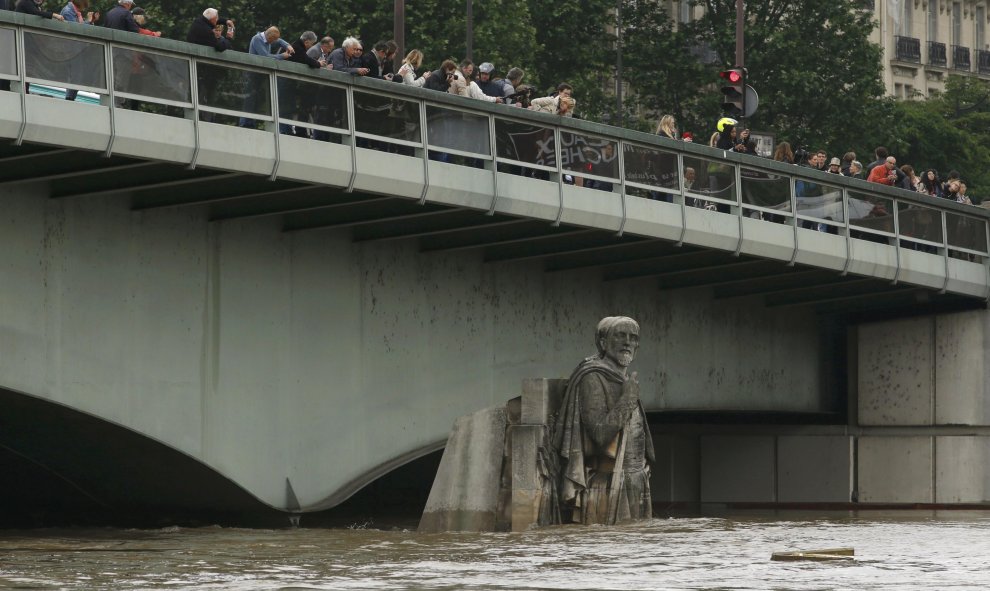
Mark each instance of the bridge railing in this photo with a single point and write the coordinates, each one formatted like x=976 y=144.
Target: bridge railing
x=198 y=83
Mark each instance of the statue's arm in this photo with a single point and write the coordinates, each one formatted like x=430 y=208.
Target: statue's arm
x=602 y=424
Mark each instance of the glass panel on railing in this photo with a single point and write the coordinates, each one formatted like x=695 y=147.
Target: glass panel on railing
x=655 y=168
x=918 y=221
x=386 y=117
x=589 y=154
x=871 y=212
x=765 y=189
x=966 y=232
x=709 y=177
x=311 y=102
x=457 y=130
x=151 y=75
x=651 y=167
x=8 y=55
x=68 y=62
x=226 y=87
x=818 y=201
x=525 y=142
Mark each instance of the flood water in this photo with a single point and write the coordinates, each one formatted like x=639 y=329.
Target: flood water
x=903 y=550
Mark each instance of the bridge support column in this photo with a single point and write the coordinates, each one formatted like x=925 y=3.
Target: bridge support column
x=922 y=392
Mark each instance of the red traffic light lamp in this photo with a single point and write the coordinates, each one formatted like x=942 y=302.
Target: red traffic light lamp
x=734 y=91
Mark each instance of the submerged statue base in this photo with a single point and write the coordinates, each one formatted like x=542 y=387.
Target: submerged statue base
x=567 y=451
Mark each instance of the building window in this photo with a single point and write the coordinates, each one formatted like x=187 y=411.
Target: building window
x=905 y=24
x=684 y=11
x=981 y=19
x=898 y=90
x=933 y=20
x=956 y=23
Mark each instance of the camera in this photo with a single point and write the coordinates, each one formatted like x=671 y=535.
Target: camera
x=801 y=155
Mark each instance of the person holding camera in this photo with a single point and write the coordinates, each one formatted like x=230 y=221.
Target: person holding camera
x=886 y=174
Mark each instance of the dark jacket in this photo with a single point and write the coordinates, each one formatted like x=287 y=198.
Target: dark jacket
x=494 y=88
x=341 y=63
x=201 y=33
x=6 y=5
x=121 y=19
x=370 y=60
x=300 y=56
x=437 y=81
x=29 y=7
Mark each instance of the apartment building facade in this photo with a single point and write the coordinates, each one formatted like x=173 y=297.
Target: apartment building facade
x=924 y=41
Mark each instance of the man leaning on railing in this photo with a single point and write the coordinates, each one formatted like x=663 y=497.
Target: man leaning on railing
x=206 y=30
x=34 y=7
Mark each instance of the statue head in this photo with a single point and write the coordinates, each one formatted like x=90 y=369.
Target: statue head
x=617 y=340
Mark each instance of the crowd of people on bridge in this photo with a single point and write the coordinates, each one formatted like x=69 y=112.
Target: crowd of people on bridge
x=217 y=31
x=483 y=82
x=883 y=170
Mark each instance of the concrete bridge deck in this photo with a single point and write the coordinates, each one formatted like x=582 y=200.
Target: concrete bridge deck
x=257 y=301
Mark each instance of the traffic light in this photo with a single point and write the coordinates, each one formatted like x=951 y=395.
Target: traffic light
x=733 y=91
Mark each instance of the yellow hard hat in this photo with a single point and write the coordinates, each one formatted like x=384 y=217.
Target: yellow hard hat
x=725 y=121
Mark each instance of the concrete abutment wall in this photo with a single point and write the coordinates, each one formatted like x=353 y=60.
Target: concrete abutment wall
x=918 y=432
x=272 y=355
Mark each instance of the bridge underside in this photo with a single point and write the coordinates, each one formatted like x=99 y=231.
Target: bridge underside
x=221 y=196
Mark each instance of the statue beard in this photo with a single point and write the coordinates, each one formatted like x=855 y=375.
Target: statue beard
x=624 y=358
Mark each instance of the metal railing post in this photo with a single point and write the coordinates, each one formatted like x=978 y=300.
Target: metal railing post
x=111 y=95
x=560 y=173
x=494 y=150
x=194 y=93
x=351 y=127
x=273 y=97
x=945 y=250
x=621 y=147
x=21 y=67
x=737 y=174
x=845 y=216
x=792 y=183
x=682 y=190
x=897 y=240
x=425 y=141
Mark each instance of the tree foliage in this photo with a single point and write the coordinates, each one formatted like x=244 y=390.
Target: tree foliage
x=812 y=63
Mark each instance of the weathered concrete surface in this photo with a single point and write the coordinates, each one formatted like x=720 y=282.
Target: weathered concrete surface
x=527 y=489
x=896 y=469
x=814 y=468
x=962 y=381
x=676 y=475
x=962 y=469
x=465 y=491
x=896 y=372
x=737 y=469
x=270 y=355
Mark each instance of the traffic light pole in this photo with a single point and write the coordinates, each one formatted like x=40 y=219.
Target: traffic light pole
x=740 y=49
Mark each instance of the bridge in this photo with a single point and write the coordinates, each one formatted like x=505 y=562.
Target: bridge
x=200 y=316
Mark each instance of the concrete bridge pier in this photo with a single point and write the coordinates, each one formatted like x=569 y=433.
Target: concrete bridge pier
x=917 y=435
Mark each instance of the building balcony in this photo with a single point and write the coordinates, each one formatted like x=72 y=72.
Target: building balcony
x=960 y=58
x=907 y=49
x=936 y=54
x=983 y=61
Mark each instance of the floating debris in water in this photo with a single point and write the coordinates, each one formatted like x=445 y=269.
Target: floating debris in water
x=815 y=555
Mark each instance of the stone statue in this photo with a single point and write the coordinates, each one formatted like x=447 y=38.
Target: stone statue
x=601 y=435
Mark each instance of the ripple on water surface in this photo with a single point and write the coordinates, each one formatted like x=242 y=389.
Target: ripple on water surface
x=893 y=551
